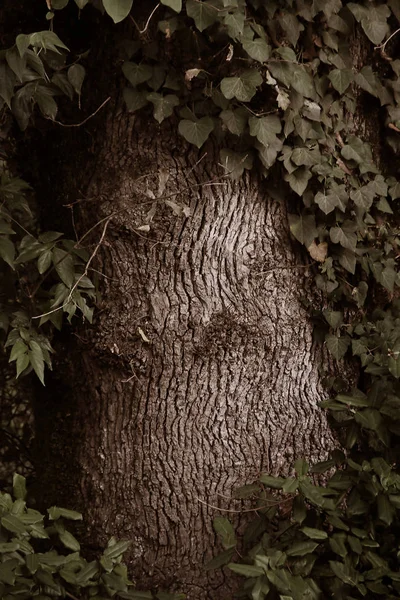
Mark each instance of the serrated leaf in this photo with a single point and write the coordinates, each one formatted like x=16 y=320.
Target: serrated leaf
x=13 y=524
x=337 y=346
x=76 y=75
x=118 y=10
x=196 y=132
x=224 y=529
x=21 y=364
x=36 y=359
x=64 y=266
x=303 y=228
x=44 y=261
x=243 y=88
x=257 y=49
x=56 y=512
x=246 y=570
x=163 y=105
x=176 y=5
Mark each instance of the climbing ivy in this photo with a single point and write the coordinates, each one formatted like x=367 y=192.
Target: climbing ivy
x=283 y=87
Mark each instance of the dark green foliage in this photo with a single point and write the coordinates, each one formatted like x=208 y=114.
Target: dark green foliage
x=278 y=94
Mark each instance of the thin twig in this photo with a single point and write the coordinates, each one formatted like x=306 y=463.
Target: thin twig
x=382 y=46
x=84 y=121
x=103 y=233
x=141 y=31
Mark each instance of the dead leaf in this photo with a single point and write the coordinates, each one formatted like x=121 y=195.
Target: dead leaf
x=191 y=74
x=318 y=252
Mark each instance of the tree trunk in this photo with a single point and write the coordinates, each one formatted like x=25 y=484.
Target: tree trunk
x=199 y=372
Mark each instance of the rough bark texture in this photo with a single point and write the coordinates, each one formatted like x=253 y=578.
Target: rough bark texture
x=199 y=372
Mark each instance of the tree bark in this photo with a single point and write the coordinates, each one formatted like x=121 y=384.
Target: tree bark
x=199 y=372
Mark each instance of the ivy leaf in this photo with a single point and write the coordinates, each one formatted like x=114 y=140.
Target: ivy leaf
x=135 y=73
x=340 y=235
x=298 y=180
x=368 y=81
x=363 y=196
x=242 y=88
x=265 y=128
x=134 y=99
x=388 y=278
x=7 y=83
x=303 y=228
x=394 y=366
x=203 y=13
x=235 y=24
x=235 y=120
x=257 y=49
x=163 y=105
x=341 y=79
x=176 y=5
x=327 y=201
x=333 y=317
x=196 y=132
x=302 y=81
x=118 y=10
x=337 y=346
x=347 y=259
x=224 y=529
x=291 y=26
x=374 y=23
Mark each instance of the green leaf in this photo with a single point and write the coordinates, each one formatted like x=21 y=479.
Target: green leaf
x=337 y=346
x=196 y=132
x=176 y=5
x=56 y=512
x=7 y=250
x=368 y=418
x=272 y=482
x=394 y=366
x=204 y=14
x=64 y=266
x=235 y=120
x=21 y=364
x=37 y=360
x=302 y=548
x=298 y=180
x=333 y=317
x=134 y=99
x=243 y=88
x=347 y=259
x=311 y=493
x=226 y=533
x=135 y=73
x=69 y=541
x=314 y=534
x=246 y=570
x=303 y=228
x=265 y=128
x=341 y=79
x=44 y=261
x=76 y=75
x=116 y=550
x=235 y=24
x=13 y=524
x=388 y=278
x=220 y=560
x=302 y=81
x=118 y=10
x=163 y=105
x=18 y=349
x=19 y=487
x=47 y=40
x=257 y=49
